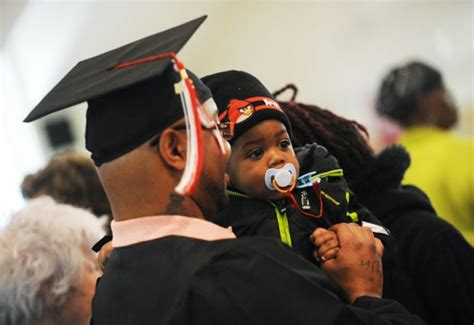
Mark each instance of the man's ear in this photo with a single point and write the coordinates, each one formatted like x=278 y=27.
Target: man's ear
x=172 y=147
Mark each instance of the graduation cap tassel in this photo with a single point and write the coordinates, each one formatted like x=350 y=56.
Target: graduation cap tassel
x=193 y=167
x=190 y=104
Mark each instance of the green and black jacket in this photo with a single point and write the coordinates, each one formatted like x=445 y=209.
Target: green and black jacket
x=290 y=220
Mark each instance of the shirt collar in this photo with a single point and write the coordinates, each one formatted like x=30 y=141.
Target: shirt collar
x=421 y=133
x=142 y=229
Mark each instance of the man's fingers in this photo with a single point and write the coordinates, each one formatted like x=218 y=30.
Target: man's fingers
x=379 y=247
x=368 y=232
x=346 y=232
x=327 y=246
x=104 y=255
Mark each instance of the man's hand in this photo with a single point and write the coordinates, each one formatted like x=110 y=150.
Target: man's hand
x=104 y=255
x=357 y=266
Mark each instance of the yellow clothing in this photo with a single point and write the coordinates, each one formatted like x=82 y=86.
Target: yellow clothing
x=442 y=165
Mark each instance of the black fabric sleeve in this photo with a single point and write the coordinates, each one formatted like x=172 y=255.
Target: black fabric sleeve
x=445 y=276
x=283 y=290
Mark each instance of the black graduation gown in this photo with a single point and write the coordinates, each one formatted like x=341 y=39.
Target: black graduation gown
x=436 y=263
x=179 y=280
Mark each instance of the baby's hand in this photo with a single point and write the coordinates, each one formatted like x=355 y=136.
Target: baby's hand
x=326 y=244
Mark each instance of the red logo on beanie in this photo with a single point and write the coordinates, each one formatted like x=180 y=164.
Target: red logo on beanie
x=239 y=110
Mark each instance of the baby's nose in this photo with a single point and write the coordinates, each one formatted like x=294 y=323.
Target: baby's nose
x=277 y=159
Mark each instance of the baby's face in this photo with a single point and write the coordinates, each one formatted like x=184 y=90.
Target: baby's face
x=266 y=145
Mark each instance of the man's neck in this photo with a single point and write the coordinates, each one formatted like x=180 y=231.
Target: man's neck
x=175 y=205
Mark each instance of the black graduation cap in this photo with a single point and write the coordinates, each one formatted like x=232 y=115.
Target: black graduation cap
x=127 y=103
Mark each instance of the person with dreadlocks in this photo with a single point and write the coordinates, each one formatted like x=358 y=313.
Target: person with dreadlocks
x=268 y=196
x=434 y=265
x=414 y=96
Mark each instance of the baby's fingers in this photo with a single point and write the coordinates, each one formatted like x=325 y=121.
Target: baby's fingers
x=321 y=236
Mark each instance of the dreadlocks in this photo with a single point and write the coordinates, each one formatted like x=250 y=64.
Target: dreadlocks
x=343 y=138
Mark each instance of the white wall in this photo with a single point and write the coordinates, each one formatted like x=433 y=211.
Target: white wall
x=336 y=52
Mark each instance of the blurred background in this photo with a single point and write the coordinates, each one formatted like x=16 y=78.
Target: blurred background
x=335 y=52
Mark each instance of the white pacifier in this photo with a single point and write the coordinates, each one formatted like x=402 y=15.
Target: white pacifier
x=279 y=179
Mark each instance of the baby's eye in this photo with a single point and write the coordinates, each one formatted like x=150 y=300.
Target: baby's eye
x=284 y=144
x=255 y=154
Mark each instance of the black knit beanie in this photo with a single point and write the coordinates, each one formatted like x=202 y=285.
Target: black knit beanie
x=243 y=101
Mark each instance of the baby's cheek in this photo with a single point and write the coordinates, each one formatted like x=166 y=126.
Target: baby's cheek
x=296 y=164
x=256 y=188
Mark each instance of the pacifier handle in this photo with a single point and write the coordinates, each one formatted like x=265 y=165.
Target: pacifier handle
x=277 y=187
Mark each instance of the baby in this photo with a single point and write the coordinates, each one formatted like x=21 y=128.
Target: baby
x=268 y=197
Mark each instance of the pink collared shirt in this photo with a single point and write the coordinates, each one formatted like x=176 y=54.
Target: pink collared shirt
x=142 y=229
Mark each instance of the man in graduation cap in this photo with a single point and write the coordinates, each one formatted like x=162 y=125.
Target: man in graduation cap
x=153 y=132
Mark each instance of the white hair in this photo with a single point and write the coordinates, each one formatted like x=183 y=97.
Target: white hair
x=42 y=258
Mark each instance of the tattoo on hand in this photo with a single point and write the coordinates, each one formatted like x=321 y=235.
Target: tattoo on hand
x=374 y=266
x=175 y=205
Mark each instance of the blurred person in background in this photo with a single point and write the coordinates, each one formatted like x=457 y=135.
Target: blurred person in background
x=435 y=263
x=47 y=270
x=415 y=97
x=70 y=178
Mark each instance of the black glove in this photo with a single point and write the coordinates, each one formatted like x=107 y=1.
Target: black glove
x=315 y=158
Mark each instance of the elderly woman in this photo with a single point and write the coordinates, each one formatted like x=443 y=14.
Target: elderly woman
x=47 y=270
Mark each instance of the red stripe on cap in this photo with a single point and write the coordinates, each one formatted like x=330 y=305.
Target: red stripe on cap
x=171 y=55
